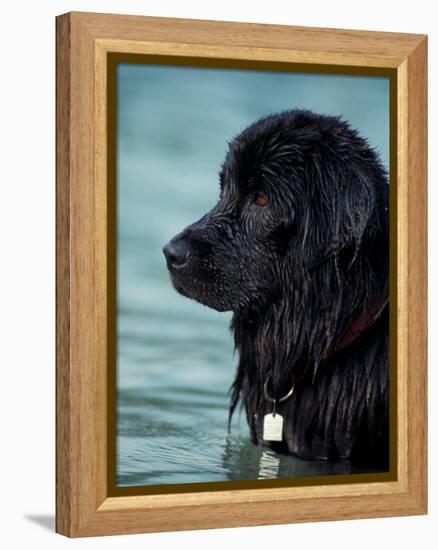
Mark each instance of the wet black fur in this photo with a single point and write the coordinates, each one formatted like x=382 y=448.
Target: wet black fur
x=296 y=272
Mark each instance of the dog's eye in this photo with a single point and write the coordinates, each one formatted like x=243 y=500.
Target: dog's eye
x=260 y=200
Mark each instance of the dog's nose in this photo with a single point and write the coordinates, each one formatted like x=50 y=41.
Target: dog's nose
x=176 y=252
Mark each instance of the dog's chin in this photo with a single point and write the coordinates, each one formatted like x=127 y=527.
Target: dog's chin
x=189 y=290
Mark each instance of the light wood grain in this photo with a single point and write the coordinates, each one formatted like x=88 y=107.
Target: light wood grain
x=63 y=403
x=83 y=41
x=417 y=274
x=249 y=36
x=402 y=236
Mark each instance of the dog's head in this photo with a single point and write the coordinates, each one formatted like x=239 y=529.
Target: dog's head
x=303 y=200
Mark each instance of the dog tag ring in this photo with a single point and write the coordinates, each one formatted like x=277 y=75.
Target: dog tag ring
x=273 y=422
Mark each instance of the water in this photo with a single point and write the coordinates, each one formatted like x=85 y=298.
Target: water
x=175 y=359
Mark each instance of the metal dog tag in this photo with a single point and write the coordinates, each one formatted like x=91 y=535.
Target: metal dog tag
x=273 y=427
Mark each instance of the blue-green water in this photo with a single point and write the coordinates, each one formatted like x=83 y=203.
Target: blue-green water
x=175 y=359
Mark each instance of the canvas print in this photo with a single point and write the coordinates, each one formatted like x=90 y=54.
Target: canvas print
x=252 y=274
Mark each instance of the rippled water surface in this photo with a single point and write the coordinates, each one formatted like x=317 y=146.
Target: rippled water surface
x=175 y=359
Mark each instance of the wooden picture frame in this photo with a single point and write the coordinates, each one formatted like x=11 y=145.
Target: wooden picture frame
x=86 y=503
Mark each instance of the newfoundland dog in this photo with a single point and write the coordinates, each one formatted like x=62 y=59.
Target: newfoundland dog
x=297 y=249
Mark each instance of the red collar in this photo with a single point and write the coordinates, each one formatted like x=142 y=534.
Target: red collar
x=357 y=327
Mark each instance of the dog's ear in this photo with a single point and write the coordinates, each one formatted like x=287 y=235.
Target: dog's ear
x=340 y=225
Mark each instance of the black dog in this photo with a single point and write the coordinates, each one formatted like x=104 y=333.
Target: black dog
x=297 y=248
